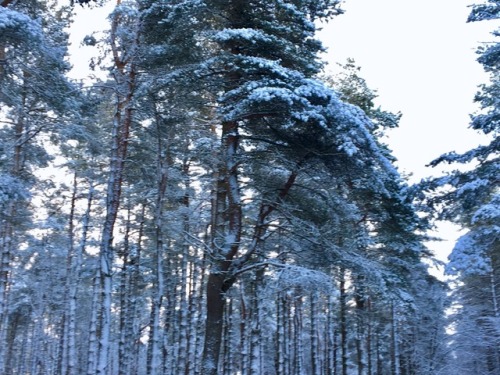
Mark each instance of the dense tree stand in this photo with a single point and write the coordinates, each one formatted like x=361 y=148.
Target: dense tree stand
x=209 y=202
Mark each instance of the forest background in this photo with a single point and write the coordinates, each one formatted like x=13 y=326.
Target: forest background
x=228 y=206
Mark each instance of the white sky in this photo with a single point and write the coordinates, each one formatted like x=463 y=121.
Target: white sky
x=420 y=57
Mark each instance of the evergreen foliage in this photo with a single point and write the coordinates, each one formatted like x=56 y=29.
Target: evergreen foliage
x=212 y=205
x=471 y=198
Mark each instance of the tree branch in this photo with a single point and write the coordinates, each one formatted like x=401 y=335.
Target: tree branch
x=5 y=3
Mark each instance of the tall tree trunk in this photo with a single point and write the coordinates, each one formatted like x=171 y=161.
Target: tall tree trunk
x=290 y=335
x=185 y=278
x=120 y=140
x=228 y=362
x=92 y=353
x=369 y=323
x=7 y=226
x=156 y=338
x=343 y=322
x=496 y=315
x=214 y=323
x=194 y=313
x=360 y=300
x=125 y=75
x=200 y=308
x=280 y=335
x=329 y=337
x=256 y=337
x=315 y=346
x=395 y=370
x=226 y=230
x=245 y=312
x=74 y=270
x=379 y=364
x=133 y=323
x=125 y=353
x=297 y=338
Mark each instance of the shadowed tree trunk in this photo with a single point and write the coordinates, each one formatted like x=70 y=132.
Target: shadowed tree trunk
x=226 y=236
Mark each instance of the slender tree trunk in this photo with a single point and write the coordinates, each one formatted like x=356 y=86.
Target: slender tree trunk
x=297 y=339
x=185 y=279
x=5 y=274
x=330 y=343
x=245 y=311
x=395 y=370
x=360 y=325
x=134 y=328
x=12 y=331
x=170 y=317
x=194 y=312
x=70 y=259
x=125 y=76
x=369 y=323
x=379 y=365
x=74 y=274
x=126 y=294
x=200 y=307
x=228 y=362
x=7 y=227
x=93 y=339
x=496 y=314
x=154 y=357
x=156 y=339
x=23 y=355
x=315 y=347
x=280 y=334
x=343 y=322
x=256 y=338
x=494 y=297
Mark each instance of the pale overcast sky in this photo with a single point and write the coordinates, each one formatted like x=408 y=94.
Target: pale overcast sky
x=420 y=57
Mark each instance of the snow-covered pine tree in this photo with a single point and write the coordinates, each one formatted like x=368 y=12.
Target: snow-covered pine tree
x=385 y=232
x=258 y=68
x=35 y=100
x=470 y=198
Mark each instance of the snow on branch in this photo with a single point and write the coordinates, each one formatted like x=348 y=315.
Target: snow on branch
x=291 y=276
x=16 y=26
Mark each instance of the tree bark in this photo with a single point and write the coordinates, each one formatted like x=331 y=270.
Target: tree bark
x=125 y=75
x=226 y=236
x=343 y=322
x=93 y=347
x=214 y=323
x=394 y=343
x=73 y=280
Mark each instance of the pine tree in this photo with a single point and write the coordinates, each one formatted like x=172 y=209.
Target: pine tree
x=35 y=98
x=470 y=198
